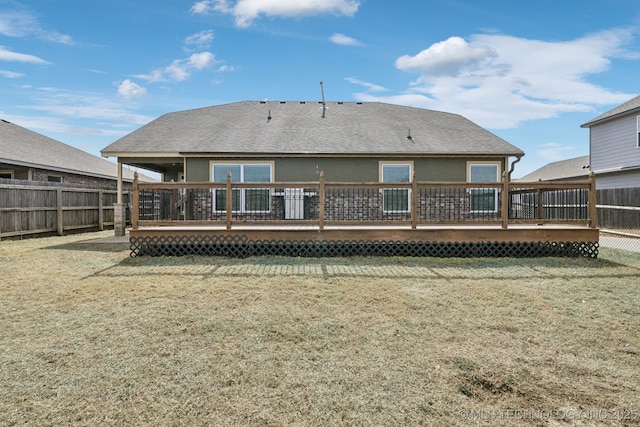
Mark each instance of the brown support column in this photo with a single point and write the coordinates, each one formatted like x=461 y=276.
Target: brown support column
x=504 y=210
x=414 y=201
x=229 y=201
x=593 y=201
x=321 y=202
x=119 y=208
x=135 y=202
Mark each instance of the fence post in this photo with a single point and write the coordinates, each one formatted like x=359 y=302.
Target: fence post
x=321 y=196
x=100 y=210
x=229 y=200
x=593 y=200
x=59 y=211
x=135 y=202
x=504 y=209
x=414 y=201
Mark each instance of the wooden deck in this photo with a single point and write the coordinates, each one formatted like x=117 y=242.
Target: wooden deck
x=342 y=219
x=443 y=234
x=517 y=240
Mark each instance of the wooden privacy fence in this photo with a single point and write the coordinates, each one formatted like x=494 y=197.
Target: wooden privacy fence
x=323 y=203
x=619 y=210
x=33 y=209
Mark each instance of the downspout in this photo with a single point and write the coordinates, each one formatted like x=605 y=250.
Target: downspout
x=513 y=165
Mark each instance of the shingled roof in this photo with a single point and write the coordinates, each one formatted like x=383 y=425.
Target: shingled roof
x=576 y=168
x=628 y=107
x=300 y=128
x=22 y=147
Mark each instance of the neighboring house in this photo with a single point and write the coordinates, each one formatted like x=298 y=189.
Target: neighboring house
x=576 y=169
x=27 y=155
x=295 y=141
x=614 y=146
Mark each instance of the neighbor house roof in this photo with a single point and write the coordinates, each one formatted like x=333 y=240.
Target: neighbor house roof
x=300 y=128
x=628 y=107
x=564 y=169
x=22 y=147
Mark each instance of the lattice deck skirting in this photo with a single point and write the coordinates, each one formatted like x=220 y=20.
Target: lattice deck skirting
x=240 y=246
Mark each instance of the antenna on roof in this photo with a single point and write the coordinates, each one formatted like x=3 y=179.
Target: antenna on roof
x=409 y=137
x=324 y=105
x=269 y=116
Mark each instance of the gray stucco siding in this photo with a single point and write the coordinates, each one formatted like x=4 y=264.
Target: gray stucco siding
x=440 y=169
x=614 y=144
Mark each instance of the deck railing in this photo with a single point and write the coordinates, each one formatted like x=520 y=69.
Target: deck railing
x=353 y=203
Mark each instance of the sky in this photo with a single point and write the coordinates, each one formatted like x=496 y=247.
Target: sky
x=87 y=73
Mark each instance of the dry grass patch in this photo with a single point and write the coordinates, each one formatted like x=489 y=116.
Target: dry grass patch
x=92 y=337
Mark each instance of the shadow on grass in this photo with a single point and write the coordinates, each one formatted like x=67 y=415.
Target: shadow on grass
x=92 y=246
x=375 y=267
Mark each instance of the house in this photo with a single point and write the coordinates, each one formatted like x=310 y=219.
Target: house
x=295 y=141
x=614 y=146
x=335 y=178
x=575 y=169
x=27 y=155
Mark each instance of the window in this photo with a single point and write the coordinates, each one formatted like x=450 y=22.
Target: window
x=484 y=199
x=6 y=174
x=638 y=131
x=54 y=178
x=395 y=199
x=244 y=199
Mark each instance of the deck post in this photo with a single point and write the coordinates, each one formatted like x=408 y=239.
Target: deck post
x=414 y=202
x=172 y=202
x=504 y=209
x=593 y=200
x=540 y=205
x=229 y=201
x=321 y=196
x=135 y=202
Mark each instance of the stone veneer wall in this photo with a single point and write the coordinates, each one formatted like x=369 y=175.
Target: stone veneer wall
x=339 y=206
x=69 y=178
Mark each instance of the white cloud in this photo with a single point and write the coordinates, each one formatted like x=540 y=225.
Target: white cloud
x=341 y=39
x=447 y=57
x=201 y=40
x=130 y=90
x=24 y=24
x=7 y=55
x=246 y=11
x=370 y=86
x=61 y=111
x=554 y=152
x=500 y=81
x=10 y=74
x=181 y=69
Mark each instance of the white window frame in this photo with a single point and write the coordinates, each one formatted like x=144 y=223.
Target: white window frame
x=498 y=166
x=57 y=178
x=381 y=174
x=638 y=131
x=241 y=164
x=10 y=172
